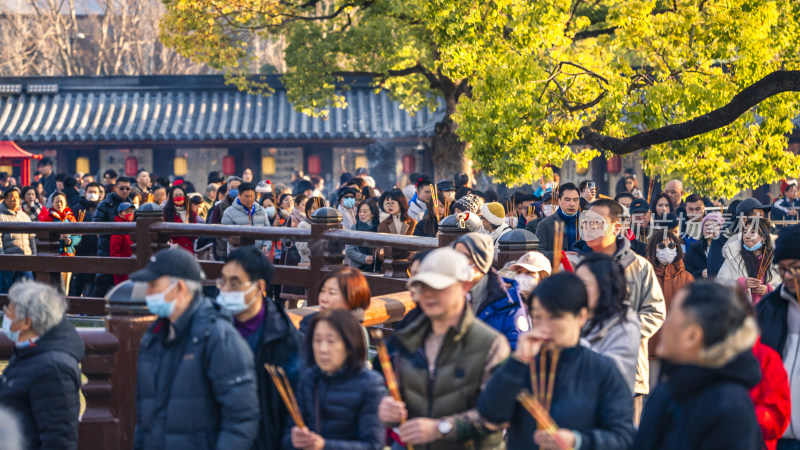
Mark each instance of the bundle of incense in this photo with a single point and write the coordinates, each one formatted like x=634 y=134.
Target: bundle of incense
x=795 y=277
x=541 y=416
x=81 y=215
x=287 y=394
x=766 y=259
x=650 y=189
x=386 y=366
x=435 y=205
x=541 y=384
x=554 y=197
x=558 y=245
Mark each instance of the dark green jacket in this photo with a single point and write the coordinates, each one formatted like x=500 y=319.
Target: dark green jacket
x=468 y=353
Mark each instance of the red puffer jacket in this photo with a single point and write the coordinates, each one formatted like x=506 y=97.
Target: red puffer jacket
x=771 y=396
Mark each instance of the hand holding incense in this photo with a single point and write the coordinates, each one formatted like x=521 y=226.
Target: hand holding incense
x=287 y=394
x=541 y=416
x=386 y=366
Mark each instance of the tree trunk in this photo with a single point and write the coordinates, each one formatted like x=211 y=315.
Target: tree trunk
x=448 y=152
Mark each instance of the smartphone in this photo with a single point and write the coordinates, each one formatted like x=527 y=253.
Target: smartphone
x=590 y=185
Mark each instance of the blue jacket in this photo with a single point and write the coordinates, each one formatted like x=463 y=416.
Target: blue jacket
x=590 y=397
x=702 y=408
x=342 y=408
x=780 y=209
x=695 y=259
x=40 y=386
x=502 y=310
x=197 y=390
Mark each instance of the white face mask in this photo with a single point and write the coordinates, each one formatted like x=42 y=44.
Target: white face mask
x=525 y=283
x=235 y=301
x=548 y=209
x=93 y=197
x=666 y=256
x=271 y=211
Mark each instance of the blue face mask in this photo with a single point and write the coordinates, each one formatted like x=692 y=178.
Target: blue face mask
x=753 y=248
x=349 y=202
x=12 y=336
x=233 y=193
x=158 y=304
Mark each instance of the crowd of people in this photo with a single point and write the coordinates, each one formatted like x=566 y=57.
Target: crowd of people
x=666 y=324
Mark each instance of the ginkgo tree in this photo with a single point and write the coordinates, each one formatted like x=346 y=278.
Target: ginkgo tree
x=705 y=89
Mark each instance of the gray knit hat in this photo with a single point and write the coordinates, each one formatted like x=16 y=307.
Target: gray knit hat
x=481 y=248
x=468 y=203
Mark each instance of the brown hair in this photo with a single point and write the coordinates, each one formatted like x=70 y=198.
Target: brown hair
x=658 y=237
x=353 y=285
x=350 y=331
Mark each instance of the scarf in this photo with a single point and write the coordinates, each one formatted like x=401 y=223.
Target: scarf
x=570 y=228
x=361 y=226
x=297 y=216
x=63 y=216
x=398 y=223
x=251 y=325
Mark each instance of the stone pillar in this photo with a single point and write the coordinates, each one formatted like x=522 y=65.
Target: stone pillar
x=128 y=319
x=514 y=244
x=450 y=230
x=323 y=256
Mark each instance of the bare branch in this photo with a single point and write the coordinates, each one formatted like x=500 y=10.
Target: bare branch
x=773 y=84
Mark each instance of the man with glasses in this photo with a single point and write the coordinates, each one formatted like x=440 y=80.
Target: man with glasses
x=245 y=280
x=106 y=211
x=779 y=319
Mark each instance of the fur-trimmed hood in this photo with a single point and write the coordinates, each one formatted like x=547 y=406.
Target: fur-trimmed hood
x=737 y=342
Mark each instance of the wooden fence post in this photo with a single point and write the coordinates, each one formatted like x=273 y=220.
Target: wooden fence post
x=98 y=428
x=128 y=319
x=147 y=244
x=322 y=255
x=47 y=245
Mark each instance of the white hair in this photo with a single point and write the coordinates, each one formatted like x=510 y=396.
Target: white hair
x=40 y=302
x=195 y=287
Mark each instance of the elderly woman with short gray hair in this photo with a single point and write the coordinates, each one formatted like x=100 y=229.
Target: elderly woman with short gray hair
x=41 y=382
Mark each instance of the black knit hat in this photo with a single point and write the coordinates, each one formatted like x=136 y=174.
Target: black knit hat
x=788 y=244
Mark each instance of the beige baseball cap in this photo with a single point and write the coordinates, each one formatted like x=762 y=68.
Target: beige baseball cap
x=442 y=268
x=534 y=262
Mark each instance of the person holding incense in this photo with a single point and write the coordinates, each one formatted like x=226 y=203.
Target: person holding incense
x=612 y=328
x=338 y=396
x=443 y=360
x=778 y=317
x=748 y=260
x=243 y=284
x=601 y=234
x=583 y=392
x=708 y=368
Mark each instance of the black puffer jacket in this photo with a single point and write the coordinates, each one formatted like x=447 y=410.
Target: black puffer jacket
x=197 y=390
x=342 y=408
x=695 y=259
x=88 y=245
x=106 y=211
x=703 y=408
x=40 y=385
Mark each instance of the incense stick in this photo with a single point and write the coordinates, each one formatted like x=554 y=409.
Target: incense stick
x=388 y=370
x=541 y=416
x=287 y=394
x=81 y=215
x=548 y=400
x=795 y=275
x=558 y=244
x=650 y=189
x=763 y=266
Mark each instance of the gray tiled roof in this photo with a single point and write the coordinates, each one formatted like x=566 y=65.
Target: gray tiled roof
x=189 y=108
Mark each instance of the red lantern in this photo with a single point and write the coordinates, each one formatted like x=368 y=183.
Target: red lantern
x=228 y=165
x=131 y=166
x=409 y=164
x=314 y=165
x=614 y=164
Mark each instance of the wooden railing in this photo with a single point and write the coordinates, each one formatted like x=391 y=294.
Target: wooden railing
x=109 y=419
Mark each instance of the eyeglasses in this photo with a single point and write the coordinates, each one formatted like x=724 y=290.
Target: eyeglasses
x=123 y=188
x=783 y=270
x=233 y=285
x=662 y=246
